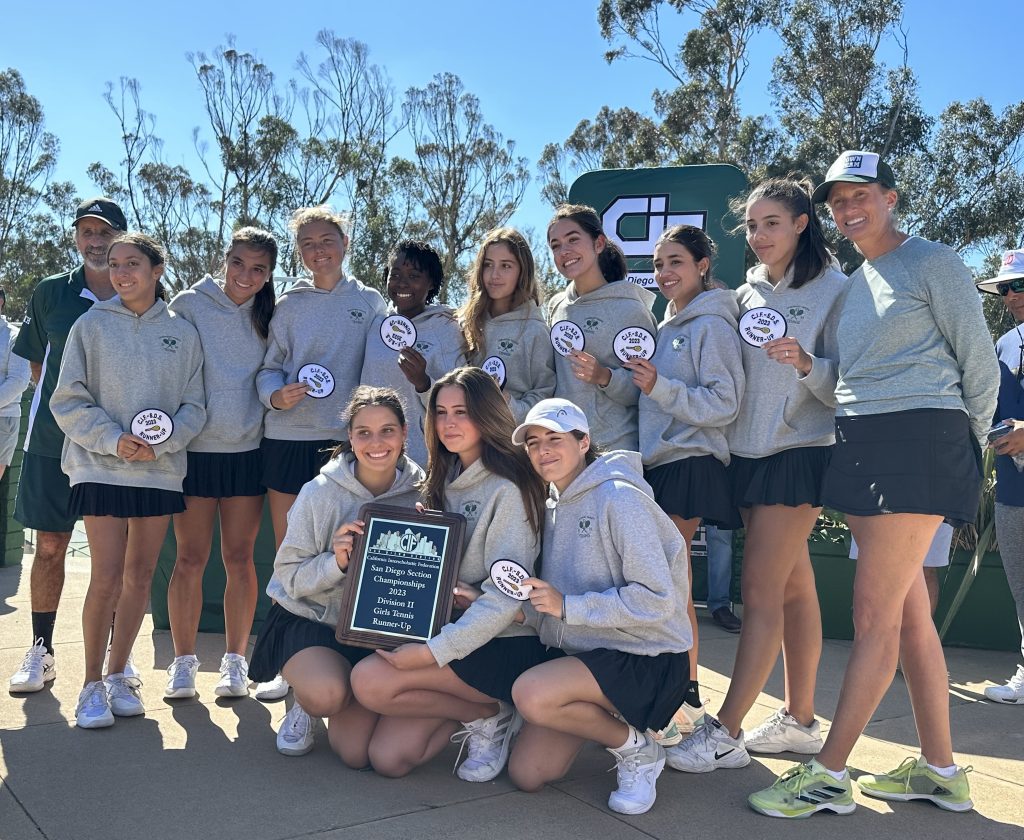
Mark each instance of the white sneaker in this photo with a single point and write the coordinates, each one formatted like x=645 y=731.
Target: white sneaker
x=234 y=676
x=1012 y=692
x=688 y=717
x=488 y=741
x=637 y=770
x=37 y=669
x=707 y=749
x=182 y=677
x=784 y=733
x=273 y=690
x=130 y=670
x=295 y=737
x=125 y=699
x=93 y=709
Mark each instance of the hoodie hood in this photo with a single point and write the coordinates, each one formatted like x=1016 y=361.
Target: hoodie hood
x=157 y=311
x=213 y=289
x=720 y=302
x=528 y=311
x=620 y=290
x=342 y=471
x=758 y=277
x=619 y=465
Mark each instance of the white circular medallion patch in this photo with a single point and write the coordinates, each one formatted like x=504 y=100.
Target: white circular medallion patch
x=566 y=337
x=496 y=368
x=761 y=325
x=508 y=576
x=319 y=379
x=152 y=425
x=398 y=332
x=633 y=343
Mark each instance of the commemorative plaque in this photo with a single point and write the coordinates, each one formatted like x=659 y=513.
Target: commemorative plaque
x=400 y=576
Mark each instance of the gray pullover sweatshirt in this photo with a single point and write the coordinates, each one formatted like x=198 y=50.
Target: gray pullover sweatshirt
x=232 y=353
x=780 y=408
x=913 y=335
x=601 y=314
x=15 y=372
x=312 y=326
x=117 y=364
x=618 y=560
x=700 y=381
x=522 y=340
x=306 y=580
x=439 y=339
x=497 y=528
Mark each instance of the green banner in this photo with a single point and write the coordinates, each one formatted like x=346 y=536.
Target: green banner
x=636 y=205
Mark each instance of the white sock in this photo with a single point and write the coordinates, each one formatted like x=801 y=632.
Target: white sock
x=633 y=739
x=837 y=776
x=945 y=772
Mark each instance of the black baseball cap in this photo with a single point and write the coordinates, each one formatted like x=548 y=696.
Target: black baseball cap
x=101 y=208
x=855 y=167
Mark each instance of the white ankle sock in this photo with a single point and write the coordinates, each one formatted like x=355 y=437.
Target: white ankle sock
x=633 y=739
x=837 y=776
x=945 y=772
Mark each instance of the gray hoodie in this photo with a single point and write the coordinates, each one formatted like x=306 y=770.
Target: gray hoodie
x=913 y=335
x=117 y=364
x=232 y=353
x=780 y=408
x=618 y=560
x=306 y=580
x=497 y=528
x=14 y=372
x=439 y=339
x=700 y=381
x=312 y=326
x=601 y=314
x=522 y=340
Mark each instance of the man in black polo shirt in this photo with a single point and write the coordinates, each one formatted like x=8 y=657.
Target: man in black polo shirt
x=44 y=491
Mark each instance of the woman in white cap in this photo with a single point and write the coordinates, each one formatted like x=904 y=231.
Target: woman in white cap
x=916 y=392
x=610 y=605
x=1009 y=283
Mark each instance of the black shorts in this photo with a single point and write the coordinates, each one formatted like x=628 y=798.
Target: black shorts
x=285 y=634
x=91 y=499
x=695 y=488
x=492 y=668
x=792 y=477
x=923 y=460
x=221 y=475
x=288 y=464
x=44 y=495
x=646 y=690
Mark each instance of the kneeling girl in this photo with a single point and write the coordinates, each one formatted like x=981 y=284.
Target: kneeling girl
x=297 y=637
x=612 y=596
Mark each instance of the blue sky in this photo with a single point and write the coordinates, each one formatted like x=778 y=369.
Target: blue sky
x=537 y=67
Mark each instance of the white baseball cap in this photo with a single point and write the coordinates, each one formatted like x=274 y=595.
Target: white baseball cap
x=1011 y=269
x=555 y=414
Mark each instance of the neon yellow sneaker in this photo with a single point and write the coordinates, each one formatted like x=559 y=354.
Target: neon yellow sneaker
x=914 y=779
x=804 y=790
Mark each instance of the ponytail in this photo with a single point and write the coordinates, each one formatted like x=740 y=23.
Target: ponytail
x=612 y=262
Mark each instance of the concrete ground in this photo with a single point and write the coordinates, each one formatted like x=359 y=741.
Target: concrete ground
x=208 y=767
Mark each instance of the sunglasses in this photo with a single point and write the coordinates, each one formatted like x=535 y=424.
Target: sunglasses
x=1016 y=285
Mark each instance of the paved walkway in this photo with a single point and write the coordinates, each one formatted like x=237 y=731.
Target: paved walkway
x=208 y=767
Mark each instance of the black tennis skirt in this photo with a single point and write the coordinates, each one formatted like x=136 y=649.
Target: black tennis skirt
x=288 y=464
x=220 y=475
x=646 y=690
x=918 y=461
x=492 y=668
x=284 y=634
x=91 y=499
x=695 y=488
x=792 y=477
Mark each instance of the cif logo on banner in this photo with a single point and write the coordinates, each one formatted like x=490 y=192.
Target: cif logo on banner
x=634 y=223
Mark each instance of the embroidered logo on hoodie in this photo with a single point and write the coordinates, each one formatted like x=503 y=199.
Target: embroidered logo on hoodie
x=357 y=315
x=585 y=527
x=170 y=343
x=507 y=346
x=796 y=314
x=592 y=325
x=471 y=509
